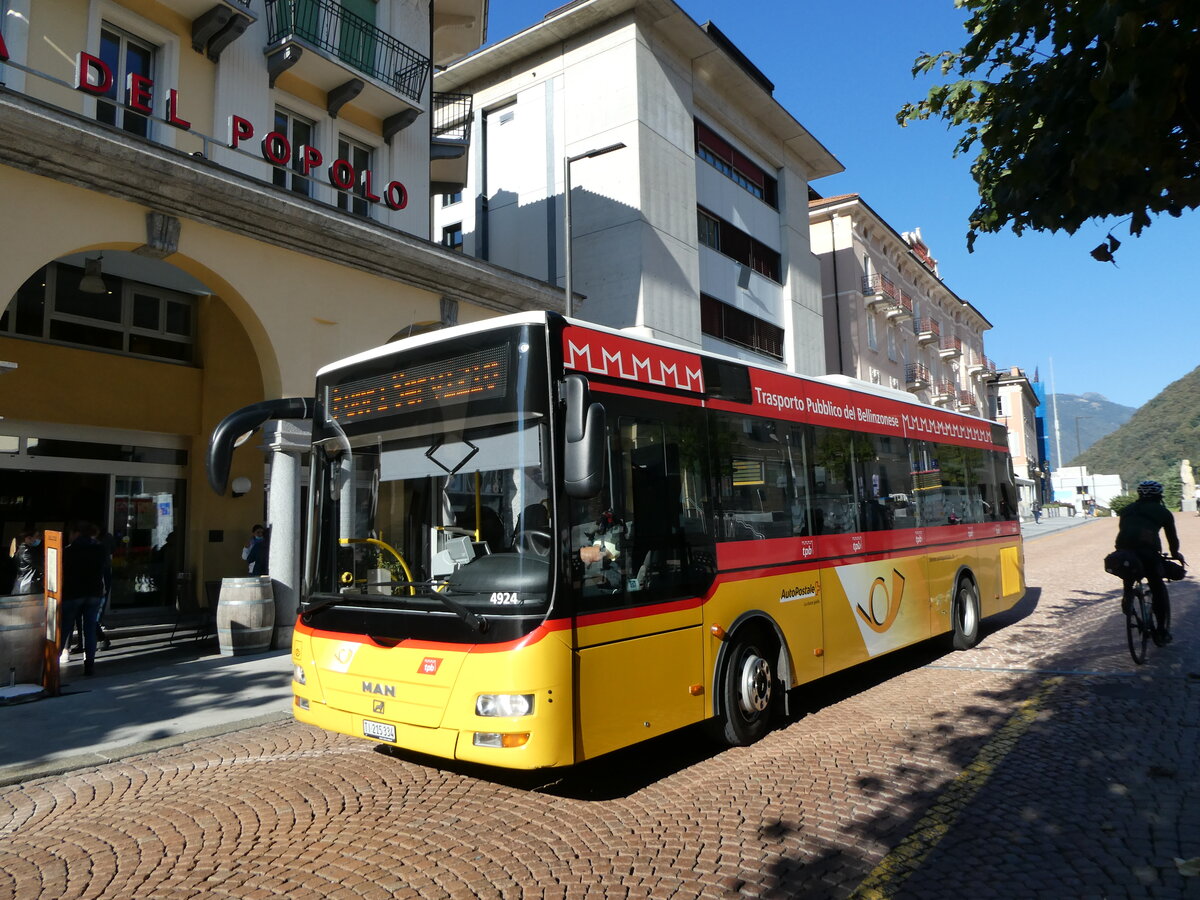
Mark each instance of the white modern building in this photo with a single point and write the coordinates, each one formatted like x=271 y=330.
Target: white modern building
x=691 y=226
x=1079 y=487
x=889 y=317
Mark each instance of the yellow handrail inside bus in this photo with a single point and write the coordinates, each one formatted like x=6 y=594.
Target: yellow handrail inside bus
x=390 y=549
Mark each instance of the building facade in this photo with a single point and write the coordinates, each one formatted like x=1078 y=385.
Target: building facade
x=691 y=226
x=1015 y=406
x=204 y=202
x=889 y=318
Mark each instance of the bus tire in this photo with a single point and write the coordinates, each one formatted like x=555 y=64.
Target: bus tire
x=965 y=615
x=749 y=692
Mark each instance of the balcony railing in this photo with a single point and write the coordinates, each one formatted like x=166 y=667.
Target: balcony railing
x=950 y=348
x=916 y=376
x=879 y=289
x=452 y=117
x=966 y=399
x=945 y=389
x=901 y=308
x=927 y=330
x=334 y=30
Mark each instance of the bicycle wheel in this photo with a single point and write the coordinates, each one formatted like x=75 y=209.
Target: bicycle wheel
x=1137 y=625
x=1158 y=628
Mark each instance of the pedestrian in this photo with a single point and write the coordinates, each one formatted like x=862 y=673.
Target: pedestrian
x=255 y=551
x=1197 y=496
x=1037 y=513
x=30 y=560
x=84 y=588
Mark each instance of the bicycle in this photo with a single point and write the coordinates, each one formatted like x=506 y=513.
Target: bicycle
x=1141 y=622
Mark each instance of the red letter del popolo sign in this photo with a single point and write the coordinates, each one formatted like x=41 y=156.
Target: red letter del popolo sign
x=94 y=76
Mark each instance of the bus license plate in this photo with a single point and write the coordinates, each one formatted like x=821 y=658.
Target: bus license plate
x=379 y=730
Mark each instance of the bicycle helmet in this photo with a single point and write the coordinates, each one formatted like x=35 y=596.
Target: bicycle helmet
x=1150 y=489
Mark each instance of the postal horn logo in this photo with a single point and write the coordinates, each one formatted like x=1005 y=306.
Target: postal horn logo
x=883 y=605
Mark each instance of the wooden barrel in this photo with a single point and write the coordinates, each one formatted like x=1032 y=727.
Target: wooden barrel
x=245 y=615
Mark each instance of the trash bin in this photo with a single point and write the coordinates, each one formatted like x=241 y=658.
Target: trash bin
x=245 y=615
x=22 y=638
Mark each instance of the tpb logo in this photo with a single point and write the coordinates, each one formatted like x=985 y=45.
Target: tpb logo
x=429 y=666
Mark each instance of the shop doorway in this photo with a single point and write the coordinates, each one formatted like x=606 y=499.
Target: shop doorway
x=141 y=518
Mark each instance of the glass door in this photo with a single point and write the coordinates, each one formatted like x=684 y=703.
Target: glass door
x=148 y=538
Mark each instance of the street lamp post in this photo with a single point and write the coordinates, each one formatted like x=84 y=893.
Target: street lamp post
x=1079 y=452
x=567 y=210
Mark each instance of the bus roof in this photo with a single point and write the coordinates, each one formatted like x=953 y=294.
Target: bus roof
x=541 y=317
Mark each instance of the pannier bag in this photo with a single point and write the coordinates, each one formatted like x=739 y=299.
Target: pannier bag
x=1124 y=564
x=1172 y=571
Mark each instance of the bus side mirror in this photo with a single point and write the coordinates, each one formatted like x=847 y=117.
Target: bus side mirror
x=583 y=459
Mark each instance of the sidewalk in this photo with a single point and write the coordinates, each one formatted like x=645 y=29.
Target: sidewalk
x=1053 y=524
x=142 y=698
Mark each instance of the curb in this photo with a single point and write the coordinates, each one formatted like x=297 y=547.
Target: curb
x=10 y=775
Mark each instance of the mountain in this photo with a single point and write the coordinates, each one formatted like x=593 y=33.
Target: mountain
x=1082 y=420
x=1155 y=439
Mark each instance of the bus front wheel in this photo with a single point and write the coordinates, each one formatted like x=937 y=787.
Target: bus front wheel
x=965 y=615
x=749 y=692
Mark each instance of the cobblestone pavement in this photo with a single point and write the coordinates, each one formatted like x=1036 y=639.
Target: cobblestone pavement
x=1041 y=763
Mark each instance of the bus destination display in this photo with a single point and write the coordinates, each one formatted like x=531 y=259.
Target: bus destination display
x=483 y=373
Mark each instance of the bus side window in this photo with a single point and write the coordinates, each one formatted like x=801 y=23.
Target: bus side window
x=834 y=497
x=1007 y=490
x=669 y=549
x=756 y=487
x=648 y=526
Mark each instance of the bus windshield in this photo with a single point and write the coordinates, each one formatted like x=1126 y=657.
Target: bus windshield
x=431 y=514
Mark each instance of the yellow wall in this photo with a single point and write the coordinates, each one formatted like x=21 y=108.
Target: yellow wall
x=274 y=317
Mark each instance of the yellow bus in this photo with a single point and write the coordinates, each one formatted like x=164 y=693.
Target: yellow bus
x=533 y=541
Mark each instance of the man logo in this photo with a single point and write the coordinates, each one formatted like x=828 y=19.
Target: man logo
x=377 y=707
x=374 y=687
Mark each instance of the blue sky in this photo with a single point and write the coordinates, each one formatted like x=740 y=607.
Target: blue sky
x=843 y=69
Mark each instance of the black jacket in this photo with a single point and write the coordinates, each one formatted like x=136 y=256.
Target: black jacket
x=85 y=562
x=1140 y=524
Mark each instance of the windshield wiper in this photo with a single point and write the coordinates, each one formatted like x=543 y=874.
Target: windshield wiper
x=315 y=606
x=476 y=621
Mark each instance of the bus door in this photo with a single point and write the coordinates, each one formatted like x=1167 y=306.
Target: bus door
x=640 y=557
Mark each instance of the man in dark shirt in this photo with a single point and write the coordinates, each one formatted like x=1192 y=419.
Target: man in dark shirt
x=1138 y=532
x=85 y=563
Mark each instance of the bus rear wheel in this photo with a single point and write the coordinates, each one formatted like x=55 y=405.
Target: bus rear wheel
x=749 y=692
x=965 y=615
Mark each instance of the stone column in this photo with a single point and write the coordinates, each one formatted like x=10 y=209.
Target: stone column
x=287 y=441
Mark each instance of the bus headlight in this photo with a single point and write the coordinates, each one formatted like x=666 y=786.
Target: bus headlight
x=298 y=675
x=504 y=705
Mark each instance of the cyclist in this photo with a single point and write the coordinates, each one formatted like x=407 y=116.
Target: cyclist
x=1138 y=532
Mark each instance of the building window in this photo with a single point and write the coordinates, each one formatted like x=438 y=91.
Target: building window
x=300 y=133
x=359 y=157
x=999 y=406
x=715 y=232
x=451 y=199
x=727 y=323
x=721 y=155
x=872 y=338
x=130 y=318
x=452 y=237
x=892 y=344
x=709 y=229
x=125 y=56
